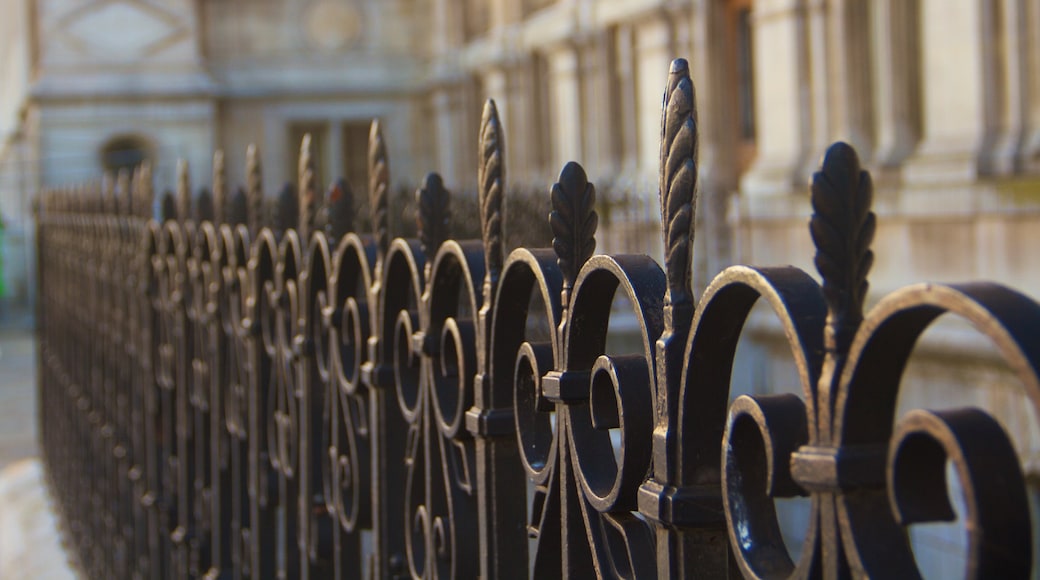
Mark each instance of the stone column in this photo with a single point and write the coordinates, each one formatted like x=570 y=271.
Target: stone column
x=1030 y=155
x=782 y=97
x=897 y=79
x=598 y=129
x=717 y=121
x=565 y=105
x=849 y=78
x=961 y=88
x=1011 y=47
x=654 y=51
x=628 y=143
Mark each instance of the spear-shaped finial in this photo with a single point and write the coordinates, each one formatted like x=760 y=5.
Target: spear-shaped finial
x=678 y=179
x=378 y=186
x=434 y=216
x=491 y=181
x=308 y=204
x=842 y=228
x=183 y=190
x=573 y=220
x=254 y=190
x=219 y=188
x=339 y=205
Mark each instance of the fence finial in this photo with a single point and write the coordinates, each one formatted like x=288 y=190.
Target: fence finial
x=183 y=190
x=573 y=220
x=678 y=179
x=339 y=208
x=491 y=180
x=308 y=205
x=434 y=216
x=254 y=190
x=842 y=228
x=219 y=188
x=378 y=186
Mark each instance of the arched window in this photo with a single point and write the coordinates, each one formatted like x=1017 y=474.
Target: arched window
x=124 y=152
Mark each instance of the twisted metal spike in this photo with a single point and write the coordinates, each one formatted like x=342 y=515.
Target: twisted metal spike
x=121 y=202
x=378 y=186
x=238 y=208
x=434 y=217
x=678 y=179
x=573 y=220
x=842 y=228
x=167 y=207
x=219 y=188
x=490 y=184
x=183 y=190
x=286 y=209
x=204 y=206
x=144 y=190
x=308 y=204
x=339 y=207
x=254 y=190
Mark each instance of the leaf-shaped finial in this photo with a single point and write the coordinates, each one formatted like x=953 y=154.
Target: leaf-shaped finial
x=434 y=216
x=339 y=206
x=183 y=190
x=204 y=206
x=491 y=181
x=378 y=186
x=121 y=202
x=286 y=209
x=842 y=228
x=573 y=220
x=254 y=190
x=308 y=205
x=219 y=188
x=238 y=208
x=678 y=179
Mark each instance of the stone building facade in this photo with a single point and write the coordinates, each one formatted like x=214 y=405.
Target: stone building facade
x=940 y=97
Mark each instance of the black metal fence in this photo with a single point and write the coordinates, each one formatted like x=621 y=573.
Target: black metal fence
x=229 y=398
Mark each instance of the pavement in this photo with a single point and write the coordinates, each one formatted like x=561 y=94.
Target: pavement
x=30 y=545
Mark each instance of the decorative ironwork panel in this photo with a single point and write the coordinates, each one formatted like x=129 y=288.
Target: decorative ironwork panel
x=249 y=390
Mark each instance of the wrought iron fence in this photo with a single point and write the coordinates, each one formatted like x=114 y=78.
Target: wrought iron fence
x=232 y=399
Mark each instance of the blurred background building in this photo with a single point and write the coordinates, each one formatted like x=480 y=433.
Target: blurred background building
x=940 y=97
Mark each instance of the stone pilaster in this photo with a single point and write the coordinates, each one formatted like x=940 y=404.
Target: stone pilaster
x=897 y=79
x=849 y=78
x=782 y=97
x=961 y=98
x=717 y=123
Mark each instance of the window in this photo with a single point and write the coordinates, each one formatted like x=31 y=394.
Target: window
x=124 y=152
x=741 y=55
